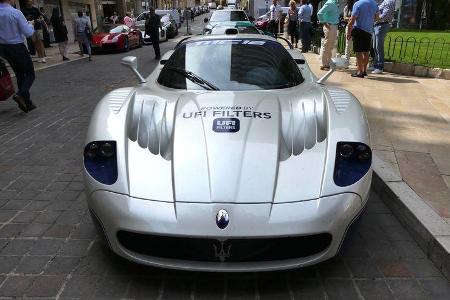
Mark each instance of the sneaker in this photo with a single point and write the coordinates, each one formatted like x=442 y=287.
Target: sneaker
x=20 y=102
x=30 y=107
x=65 y=58
x=371 y=68
x=359 y=75
x=377 y=71
x=326 y=68
x=42 y=60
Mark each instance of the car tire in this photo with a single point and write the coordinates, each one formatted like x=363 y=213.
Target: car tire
x=126 y=45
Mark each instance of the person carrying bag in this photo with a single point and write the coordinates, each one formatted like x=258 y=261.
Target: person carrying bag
x=6 y=84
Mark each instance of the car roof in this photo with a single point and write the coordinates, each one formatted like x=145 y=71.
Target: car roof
x=226 y=36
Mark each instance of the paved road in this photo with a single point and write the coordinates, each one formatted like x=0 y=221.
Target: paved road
x=48 y=245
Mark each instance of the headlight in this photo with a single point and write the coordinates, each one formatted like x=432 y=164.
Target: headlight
x=100 y=161
x=105 y=39
x=353 y=161
x=115 y=39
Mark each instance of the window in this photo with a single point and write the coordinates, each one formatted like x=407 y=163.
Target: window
x=231 y=15
x=239 y=64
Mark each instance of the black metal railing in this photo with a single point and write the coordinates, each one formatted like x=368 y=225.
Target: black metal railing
x=424 y=51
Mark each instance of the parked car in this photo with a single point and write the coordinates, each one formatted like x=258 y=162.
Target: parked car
x=173 y=12
x=162 y=36
x=262 y=22
x=166 y=20
x=116 y=37
x=239 y=28
x=230 y=156
x=220 y=16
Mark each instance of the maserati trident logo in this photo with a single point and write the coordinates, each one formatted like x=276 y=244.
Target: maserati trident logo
x=223 y=253
x=222 y=219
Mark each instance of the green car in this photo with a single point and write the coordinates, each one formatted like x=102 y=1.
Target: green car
x=229 y=18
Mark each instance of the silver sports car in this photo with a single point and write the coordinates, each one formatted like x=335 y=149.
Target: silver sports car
x=230 y=156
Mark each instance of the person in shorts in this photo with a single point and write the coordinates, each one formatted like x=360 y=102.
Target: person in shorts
x=360 y=28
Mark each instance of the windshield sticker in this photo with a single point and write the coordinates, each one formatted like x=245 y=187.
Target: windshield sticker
x=228 y=42
x=226 y=125
x=227 y=112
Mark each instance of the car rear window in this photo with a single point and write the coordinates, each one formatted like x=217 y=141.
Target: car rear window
x=224 y=16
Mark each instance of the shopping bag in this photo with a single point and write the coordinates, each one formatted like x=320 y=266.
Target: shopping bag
x=6 y=85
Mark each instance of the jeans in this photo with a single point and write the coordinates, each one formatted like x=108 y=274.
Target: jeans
x=379 y=34
x=20 y=61
x=305 y=35
x=83 y=39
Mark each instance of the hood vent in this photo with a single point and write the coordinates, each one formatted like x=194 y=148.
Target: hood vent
x=340 y=98
x=147 y=125
x=306 y=125
x=117 y=98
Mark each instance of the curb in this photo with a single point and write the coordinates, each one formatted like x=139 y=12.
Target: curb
x=428 y=229
x=13 y=75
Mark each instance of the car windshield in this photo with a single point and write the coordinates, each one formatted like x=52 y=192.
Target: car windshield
x=119 y=29
x=240 y=64
x=105 y=28
x=224 y=16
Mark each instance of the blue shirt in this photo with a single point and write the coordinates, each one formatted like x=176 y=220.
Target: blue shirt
x=13 y=25
x=365 y=11
x=305 y=13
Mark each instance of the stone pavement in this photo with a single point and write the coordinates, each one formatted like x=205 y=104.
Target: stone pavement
x=49 y=248
x=409 y=119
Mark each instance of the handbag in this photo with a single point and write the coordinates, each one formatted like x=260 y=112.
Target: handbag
x=6 y=84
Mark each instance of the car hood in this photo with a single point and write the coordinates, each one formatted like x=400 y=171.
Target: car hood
x=231 y=147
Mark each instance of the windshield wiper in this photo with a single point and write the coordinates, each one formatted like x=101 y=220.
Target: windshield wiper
x=194 y=78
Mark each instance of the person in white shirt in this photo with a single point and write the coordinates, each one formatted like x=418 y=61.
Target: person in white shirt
x=274 y=15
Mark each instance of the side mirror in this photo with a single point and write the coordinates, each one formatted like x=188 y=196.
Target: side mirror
x=131 y=62
x=336 y=63
x=205 y=20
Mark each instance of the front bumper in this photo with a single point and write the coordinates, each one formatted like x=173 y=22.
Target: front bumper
x=106 y=46
x=333 y=215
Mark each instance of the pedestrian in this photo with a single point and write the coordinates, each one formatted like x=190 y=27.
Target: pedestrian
x=347 y=15
x=192 y=14
x=32 y=13
x=14 y=27
x=81 y=31
x=293 y=22
x=274 y=15
x=152 y=27
x=380 y=29
x=304 y=18
x=127 y=20
x=60 y=32
x=114 y=18
x=328 y=15
x=46 y=34
x=360 y=28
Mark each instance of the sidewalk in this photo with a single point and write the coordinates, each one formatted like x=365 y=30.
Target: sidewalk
x=409 y=119
x=54 y=58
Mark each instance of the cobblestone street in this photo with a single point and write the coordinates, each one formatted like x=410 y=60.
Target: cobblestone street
x=49 y=247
